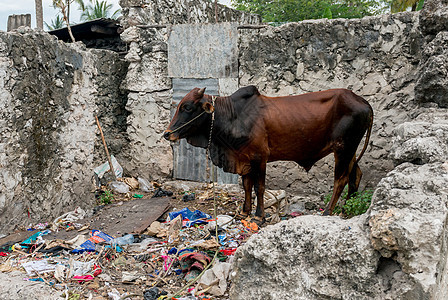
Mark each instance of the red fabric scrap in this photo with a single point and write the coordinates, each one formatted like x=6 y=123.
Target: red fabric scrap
x=4 y=254
x=229 y=251
x=83 y=278
x=97 y=269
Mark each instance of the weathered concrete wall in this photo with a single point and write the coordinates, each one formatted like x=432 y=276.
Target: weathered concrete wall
x=143 y=12
x=376 y=57
x=49 y=94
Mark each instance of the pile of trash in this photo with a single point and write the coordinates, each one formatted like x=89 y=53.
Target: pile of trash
x=186 y=256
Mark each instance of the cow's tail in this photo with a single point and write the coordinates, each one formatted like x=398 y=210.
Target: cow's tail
x=369 y=131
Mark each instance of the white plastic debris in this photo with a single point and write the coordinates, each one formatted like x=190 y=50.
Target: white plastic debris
x=101 y=170
x=71 y=216
x=119 y=187
x=145 y=185
x=36 y=267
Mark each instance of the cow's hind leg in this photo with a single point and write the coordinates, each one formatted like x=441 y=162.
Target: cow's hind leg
x=342 y=169
x=247 y=206
x=354 y=179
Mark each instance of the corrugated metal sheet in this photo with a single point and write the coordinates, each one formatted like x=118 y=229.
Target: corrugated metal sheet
x=189 y=161
x=203 y=51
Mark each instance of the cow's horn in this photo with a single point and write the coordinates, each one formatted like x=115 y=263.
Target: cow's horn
x=201 y=92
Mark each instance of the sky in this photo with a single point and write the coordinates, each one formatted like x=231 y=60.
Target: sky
x=17 y=7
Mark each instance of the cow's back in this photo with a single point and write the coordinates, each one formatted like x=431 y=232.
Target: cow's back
x=301 y=128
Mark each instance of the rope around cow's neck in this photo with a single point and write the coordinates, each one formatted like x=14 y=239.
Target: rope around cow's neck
x=210 y=175
x=183 y=125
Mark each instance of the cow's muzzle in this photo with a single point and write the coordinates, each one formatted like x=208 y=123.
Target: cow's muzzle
x=169 y=136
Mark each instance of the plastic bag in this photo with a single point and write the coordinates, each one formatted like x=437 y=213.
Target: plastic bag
x=145 y=185
x=101 y=170
x=119 y=187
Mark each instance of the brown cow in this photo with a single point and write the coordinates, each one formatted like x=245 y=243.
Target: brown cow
x=251 y=130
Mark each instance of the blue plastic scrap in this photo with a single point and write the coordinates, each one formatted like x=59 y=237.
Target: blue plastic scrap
x=89 y=245
x=194 y=217
x=34 y=237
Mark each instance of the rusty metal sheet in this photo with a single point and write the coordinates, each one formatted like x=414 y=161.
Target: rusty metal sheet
x=190 y=162
x=203 y=51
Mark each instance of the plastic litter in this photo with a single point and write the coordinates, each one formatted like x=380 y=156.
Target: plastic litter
x=101 y=170
x=119 y=187
x=223 y=222
x=128 y=277
x=36 y=267
x=70 y=217
x=196 y=217
x=167 y=255
x=33 y=239
x=145 y=185
x=215 y=279
x=153 y=294
x=188 y=197
x=89 y=245
x=124 y=240
x=114 y=294
x=162 y=193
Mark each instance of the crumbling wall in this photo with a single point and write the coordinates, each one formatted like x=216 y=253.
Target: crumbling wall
x=144 y=12
x=49 y=93
x=111 y=100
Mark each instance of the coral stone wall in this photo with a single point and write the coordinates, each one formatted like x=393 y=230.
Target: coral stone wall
x=49 y=94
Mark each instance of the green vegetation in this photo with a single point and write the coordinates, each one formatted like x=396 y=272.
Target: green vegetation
x=57 y=23
x=402 y=5
x=298 y=10
x=356 y=205
x=95 y=9
x=106 y=197
x=281 y=11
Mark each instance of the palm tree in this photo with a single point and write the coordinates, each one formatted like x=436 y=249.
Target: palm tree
x=402 y=5
x=95 y=9
x=39 y=14
x=57 y=23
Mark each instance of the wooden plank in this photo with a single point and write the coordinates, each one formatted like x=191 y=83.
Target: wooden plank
x=156 y=208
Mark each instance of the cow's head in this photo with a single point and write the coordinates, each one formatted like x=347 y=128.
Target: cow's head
x=191 y=115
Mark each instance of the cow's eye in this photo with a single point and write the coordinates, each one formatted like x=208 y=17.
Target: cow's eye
x=187 y=108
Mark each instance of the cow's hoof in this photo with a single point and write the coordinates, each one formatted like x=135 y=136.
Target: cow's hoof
x=241 y=216
x=258 y=220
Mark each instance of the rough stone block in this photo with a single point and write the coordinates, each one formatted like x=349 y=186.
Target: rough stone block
x=432 y=80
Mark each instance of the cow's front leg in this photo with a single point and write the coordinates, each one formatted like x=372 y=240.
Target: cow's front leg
x=248 y=183
x=260 y=179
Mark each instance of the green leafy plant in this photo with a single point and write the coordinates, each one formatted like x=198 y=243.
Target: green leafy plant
x=56 y=23
x=355 y=205
x=95 y=9
x=106 y=197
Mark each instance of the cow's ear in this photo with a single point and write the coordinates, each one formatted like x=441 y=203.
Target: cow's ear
x=208 y=107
